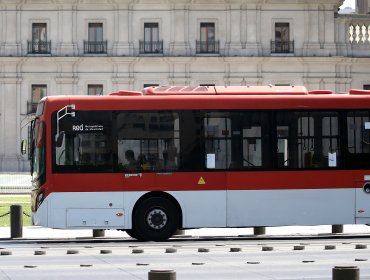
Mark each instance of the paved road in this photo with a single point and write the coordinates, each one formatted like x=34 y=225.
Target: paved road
x=225 y=259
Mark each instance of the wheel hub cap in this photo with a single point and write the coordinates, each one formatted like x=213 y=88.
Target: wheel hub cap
x=156 y=219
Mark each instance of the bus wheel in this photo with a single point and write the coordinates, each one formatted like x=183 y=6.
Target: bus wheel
x=156 y=219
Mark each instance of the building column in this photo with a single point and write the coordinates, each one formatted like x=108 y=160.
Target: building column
x=10 y=158
x=311 y=44
x=252 y=18
x=233 y=44
x=179 y=45
x=67 y=46
x=11 y=16
x=329 y=36
x=122 y=45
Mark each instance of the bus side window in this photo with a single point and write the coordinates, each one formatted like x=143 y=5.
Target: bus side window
x=307 y=140
x=358 y=139
x=255 y=140
x=217 y=133
x=191 y=152
x=148 y=141
x=330 y=145
x=285 y=127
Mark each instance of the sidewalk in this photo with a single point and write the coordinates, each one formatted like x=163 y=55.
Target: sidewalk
x=35 y=232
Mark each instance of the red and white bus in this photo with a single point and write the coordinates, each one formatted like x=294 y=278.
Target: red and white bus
x=171 y=158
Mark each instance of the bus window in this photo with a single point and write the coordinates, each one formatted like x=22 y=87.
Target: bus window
x=284 y=130
x=192 y=153
x=307 y=140
x=217 y=129
x=256 y=140
x=86 y=143
x=330 y=140
x=38 y=155
x=250 y=140
x=148 y=141
x=358 y=130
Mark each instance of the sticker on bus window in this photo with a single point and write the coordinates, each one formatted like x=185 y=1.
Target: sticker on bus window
x=332 y=157
x=211 y=161
x=367 y=125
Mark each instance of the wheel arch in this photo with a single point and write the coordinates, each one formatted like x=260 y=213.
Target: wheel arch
x=162 y=195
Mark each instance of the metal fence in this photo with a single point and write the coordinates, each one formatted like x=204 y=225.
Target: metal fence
x=15 y=183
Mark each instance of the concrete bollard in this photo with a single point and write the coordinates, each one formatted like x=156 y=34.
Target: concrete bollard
x=259 y=230
x=337 y=229
x=346 y=273
x=162 y=275
x=98 y=232
x=16 y=221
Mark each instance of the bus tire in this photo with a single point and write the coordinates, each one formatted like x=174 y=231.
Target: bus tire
x=133 y=233
x=156 y=219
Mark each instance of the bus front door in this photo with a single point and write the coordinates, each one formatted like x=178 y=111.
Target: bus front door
x=363 y=200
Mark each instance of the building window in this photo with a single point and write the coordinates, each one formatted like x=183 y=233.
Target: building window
x=150 y=85
x=367 y=87
x=151 y=43
x=37 y=93
x=282 y=43
x=207 y=43
x=39 y=43
x=95 y=89
x=95 y=43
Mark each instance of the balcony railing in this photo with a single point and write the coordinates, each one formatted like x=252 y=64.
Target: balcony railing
x=95 y=47
x=39 y=47
x=151 y=47
x=31 y=107
x=282 y=47
x=208 y=47
x=359 y=33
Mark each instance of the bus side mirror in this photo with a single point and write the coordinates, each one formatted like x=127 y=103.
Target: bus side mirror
x=24 y=147
x=59 y=139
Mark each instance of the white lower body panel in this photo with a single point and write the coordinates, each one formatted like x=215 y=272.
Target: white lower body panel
x=242 y=208
x=290 y=207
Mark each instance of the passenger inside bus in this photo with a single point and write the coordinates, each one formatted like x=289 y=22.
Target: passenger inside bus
x=169 y=159
x=132 y=165
x=144 y=163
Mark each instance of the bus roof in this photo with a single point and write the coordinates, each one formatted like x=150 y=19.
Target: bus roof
x=216 y=97
x=219 y=90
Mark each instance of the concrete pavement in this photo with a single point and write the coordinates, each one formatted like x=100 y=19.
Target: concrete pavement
x=36 y=232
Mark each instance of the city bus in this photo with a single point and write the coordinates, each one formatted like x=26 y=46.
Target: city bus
x=183 y=157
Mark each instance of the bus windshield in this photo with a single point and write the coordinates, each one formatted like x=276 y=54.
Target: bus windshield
x=38 y=152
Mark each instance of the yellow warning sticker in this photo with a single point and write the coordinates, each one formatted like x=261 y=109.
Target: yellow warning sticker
x=201 y=181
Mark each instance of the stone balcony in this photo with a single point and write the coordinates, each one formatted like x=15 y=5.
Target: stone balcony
x=353 y=35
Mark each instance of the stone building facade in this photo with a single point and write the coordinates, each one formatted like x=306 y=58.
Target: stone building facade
x=79 y=47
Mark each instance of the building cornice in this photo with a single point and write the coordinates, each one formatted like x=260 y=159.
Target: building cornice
x=182 y=60
x=209 y=2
